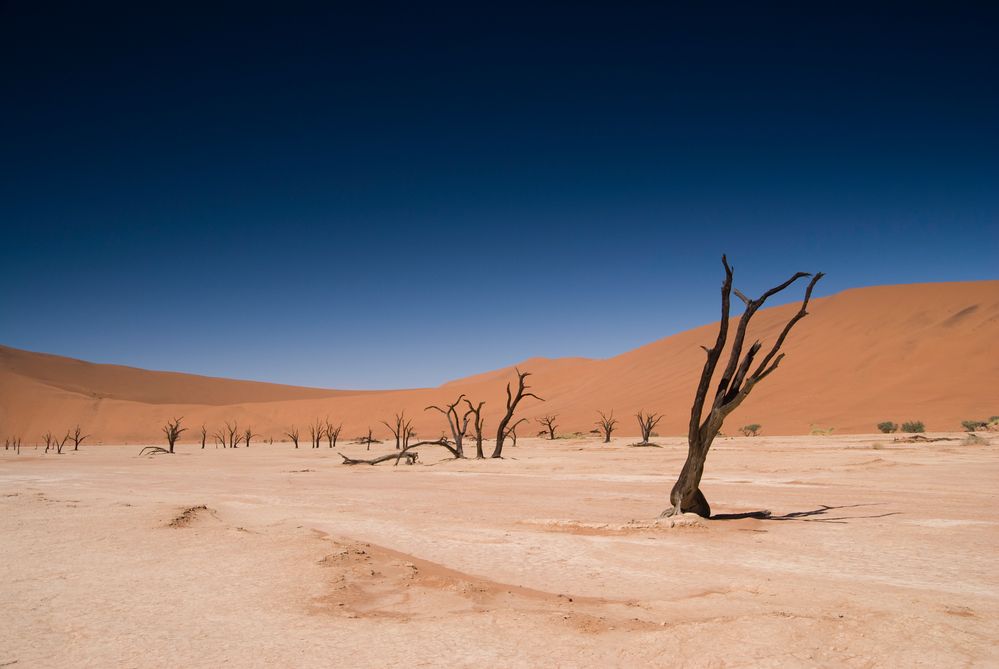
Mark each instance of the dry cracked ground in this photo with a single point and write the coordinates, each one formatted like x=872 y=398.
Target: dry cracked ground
x=872 y=553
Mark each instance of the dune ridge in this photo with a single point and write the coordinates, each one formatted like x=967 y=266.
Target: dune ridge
x=917 y=351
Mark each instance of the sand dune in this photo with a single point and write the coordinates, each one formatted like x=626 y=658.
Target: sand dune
x=921 y=351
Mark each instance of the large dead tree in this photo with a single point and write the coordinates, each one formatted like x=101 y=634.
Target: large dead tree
x=606 y=425
x=459 y=426
x=478 y=422
x=78 y=438
x=293 y=435
x=738 y=379
x=333 y=433
x=646 y=422
x=548 y=422
x=512 y=400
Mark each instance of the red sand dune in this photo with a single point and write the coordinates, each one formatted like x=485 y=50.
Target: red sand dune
x=921 y=351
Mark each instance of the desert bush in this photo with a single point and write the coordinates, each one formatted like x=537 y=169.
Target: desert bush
x=972 y=425
x=913 y=426
x=750 y=430
x=888 y=427
x=820 y=431
x=974 y=440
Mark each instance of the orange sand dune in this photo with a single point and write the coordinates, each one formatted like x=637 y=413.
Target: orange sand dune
x=921 y=351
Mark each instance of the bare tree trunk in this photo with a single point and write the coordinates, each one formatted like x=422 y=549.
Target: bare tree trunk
x=512 y=401
x=734 y=386
x=549 y=424
x=478 y=423
x=646 y=422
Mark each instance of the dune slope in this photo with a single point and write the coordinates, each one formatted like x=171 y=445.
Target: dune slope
x=920 y=351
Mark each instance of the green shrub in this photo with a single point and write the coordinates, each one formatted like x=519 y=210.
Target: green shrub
x=750 y=430
x=888 y=427
x=972 y=425
x=913 y=426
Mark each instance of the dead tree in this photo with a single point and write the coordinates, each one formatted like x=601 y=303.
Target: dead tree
x=293 y=435
x=78 y=438
x=459 y=426
x=406 y=453
x=219 y=437
x=49 y=440
x=647 y=421
x=332 y=433
x=400 y=429
x=511 y=432
x=247 y=435
x=232 y=432
x=477 y=422
x=410 y=458
x=512 y=400
x=606 y=425
x=61 y=443
x=204 y=435
x=172 y=430
x=369 y=440
x=317 y=431
x=737 y=380
x=548 y=422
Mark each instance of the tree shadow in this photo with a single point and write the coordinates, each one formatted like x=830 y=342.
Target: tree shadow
x=810 y=516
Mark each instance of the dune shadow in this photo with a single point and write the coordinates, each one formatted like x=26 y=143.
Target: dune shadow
x=818 y=515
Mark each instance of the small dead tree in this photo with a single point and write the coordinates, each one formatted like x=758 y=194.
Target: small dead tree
x=478 y=423
x=61 y=443
x=232 y=432
x=219 y=437
x=332 y=433
x=317 y=431
x=172 y=430
x=398 y=429
x=646 y=422
x=78 y=438
x=247 y=435
x=548 y=422
x=511 y=432
x=204 y=435
x=512 y=400
x=606 y=425
x=459 y=426
x=737 y=380
x=49 y=440
x=293 y=435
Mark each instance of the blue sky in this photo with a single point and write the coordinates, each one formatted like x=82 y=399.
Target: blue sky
x=400 y=195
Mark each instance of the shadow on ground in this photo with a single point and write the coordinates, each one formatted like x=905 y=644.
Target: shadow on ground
x=818 y=515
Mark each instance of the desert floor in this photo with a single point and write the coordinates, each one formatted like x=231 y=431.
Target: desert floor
x=876 y=554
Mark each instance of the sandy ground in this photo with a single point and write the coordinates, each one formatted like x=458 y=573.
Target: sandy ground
x=876 y=554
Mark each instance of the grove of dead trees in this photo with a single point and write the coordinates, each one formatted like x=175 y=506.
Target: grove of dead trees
x=738 y=379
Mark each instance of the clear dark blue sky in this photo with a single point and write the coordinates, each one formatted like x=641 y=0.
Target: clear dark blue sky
x=402 y=194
